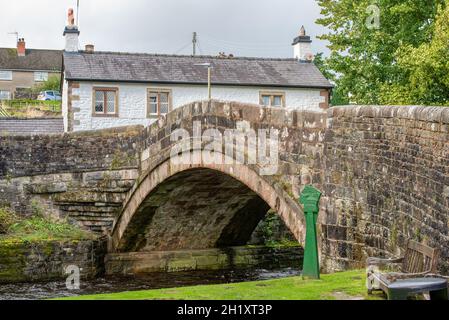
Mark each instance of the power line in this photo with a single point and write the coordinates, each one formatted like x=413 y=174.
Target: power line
x=199 y=47
x=247 y=44
x=184 y=47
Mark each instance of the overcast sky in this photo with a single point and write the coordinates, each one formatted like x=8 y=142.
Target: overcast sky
x=263 y=28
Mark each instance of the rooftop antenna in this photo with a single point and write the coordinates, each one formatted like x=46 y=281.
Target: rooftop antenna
x=16 y=34
x=194 y=41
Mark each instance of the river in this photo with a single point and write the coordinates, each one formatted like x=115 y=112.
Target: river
x=57 y=289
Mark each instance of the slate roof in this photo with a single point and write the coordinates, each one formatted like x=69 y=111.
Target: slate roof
x=34 y=60
x=144 y=68
x=31 y=127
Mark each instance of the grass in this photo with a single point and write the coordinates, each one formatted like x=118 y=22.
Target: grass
x=339 y=286
x=31 y=108
x=37 y=228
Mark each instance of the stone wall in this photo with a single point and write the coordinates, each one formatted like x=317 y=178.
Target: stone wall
x=47 y=260
x=208 y=259
x=86 y=151
x=386 y=181
x=83 y=176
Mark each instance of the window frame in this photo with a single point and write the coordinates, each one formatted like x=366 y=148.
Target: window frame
x=158 y=91
x=272 y=94
x=41 y=79
x=9 y=72
x=105 y=114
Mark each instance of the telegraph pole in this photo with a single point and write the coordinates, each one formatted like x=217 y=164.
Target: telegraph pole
x=194 y=41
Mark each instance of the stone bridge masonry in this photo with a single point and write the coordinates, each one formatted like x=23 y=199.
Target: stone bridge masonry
x=384 y=172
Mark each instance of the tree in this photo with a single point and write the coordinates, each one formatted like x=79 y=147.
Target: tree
x=426 y=69
x=338 y=98
x=52 y=84
x=364 y=39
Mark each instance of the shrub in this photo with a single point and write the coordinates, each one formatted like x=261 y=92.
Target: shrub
x=7 y=219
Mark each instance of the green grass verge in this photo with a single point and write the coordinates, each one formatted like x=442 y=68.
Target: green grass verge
x=37 y=228
x=339 y=286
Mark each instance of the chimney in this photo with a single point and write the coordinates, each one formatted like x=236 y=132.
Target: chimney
x=90 y=48
x=302 y=46
x=21 y=48
x=71 y=34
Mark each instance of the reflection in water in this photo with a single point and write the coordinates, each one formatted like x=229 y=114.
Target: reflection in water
x=57 y=289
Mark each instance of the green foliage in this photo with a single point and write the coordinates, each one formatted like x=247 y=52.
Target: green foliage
x=426 y=68
x=7 y=219
x=338 y=97
x=52 y=84
x=38 y=227
x=374 y=65
x=274 y=233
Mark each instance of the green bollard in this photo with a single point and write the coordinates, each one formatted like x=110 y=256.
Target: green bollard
x=310 y=198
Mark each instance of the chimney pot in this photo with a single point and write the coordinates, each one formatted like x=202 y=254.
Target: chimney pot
x=71 y=34
x=21 y=47
x=90 y=48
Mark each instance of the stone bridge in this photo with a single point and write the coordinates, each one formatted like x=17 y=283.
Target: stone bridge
x=384 y=172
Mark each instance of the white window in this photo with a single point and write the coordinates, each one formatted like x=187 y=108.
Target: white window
x=5 y=75
x=40 y=76
x=5 y=95
x=159 y=103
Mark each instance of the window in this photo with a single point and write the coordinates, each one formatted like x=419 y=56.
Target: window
x=105 y=102
x=5 y=75
x=5 y=95
x=40 y=76
x=159 y=103
x=272 y=99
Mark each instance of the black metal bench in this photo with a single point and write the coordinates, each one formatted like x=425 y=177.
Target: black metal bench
x=402 y=289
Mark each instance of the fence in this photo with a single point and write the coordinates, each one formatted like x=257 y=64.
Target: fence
x=24 y=106
x=3 y=113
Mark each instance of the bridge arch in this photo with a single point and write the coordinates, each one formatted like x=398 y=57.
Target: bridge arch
x=242 y=187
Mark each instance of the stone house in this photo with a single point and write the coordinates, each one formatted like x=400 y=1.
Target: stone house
x=110 y=89
x=22 y=68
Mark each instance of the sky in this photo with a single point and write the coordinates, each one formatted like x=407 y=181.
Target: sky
x=256 y=28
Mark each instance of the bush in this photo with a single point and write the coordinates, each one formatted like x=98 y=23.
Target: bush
x=7 y=219
x=52 y=84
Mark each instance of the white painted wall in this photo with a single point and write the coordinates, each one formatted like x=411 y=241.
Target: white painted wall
x=133 y=98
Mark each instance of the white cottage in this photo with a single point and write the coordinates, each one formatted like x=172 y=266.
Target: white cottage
x=111 y=89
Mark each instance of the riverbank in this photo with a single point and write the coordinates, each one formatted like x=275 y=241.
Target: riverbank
x=40 y=248
x=339 y=286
